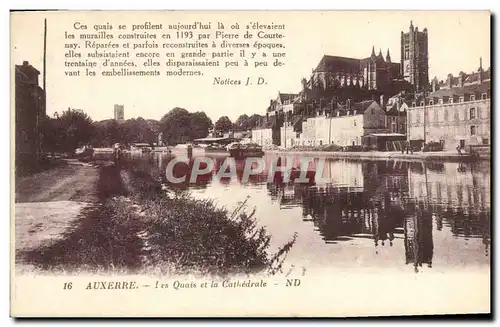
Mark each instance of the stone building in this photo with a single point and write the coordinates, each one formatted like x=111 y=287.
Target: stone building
x=30 y=111
x=396 y=111
x=338 y=84
x=376 y=72
x=457 y=112
x=278 y=111
x=119 y=112
x=415 y=57
x=262 y=135
x=344 y=126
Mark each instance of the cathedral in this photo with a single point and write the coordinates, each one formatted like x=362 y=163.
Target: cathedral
x=377 y=73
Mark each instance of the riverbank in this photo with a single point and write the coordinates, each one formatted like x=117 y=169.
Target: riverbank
x=131 y=223
x=372 y=155
x=49 y=203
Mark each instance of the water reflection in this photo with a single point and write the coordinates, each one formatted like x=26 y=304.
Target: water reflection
x=391 y=204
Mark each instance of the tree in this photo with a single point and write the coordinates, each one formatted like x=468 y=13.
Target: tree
x=75 y=129
x=201 y=124
x=241 y=124
x=175 y=126
x=51 y=133
x=223 y=125
x=138 y=131
x=254 y=120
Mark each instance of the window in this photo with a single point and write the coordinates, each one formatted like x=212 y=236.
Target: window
x=450 y=100
x=440 y=101
x=431 y=103
x=473 y=130
x=418 y=117
x=472 y=113
x=484 y=96
x=486 y=141
x=472 y=98
x=354 y=122
x=373 y=111
x=461 y=99
x=413 y=104
x=422 y=103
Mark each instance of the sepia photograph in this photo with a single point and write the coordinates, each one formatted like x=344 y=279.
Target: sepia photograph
x=250 y=163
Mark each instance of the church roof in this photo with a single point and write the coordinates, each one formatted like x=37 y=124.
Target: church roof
x=363 y=105
x=339 y=64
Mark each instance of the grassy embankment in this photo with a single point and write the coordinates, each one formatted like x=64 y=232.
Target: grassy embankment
x=140 y=228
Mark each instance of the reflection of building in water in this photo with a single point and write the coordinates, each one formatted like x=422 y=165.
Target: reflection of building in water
x=344 y=209
x=457 y=184
x=456 y=194
x=419 y=246
x=342 y=173
x=341 y=214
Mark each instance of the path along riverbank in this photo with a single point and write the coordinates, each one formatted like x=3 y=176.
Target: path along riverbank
x=421 y=156
x=100 y=217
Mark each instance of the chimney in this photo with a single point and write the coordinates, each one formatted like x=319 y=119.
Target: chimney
x=26 y=63
x=449 y=81
x=434 y=84
x=461 y=77
x=480 y=70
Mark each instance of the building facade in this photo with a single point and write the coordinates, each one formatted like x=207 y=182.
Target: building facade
x=456 y=114
x=262 y=136
x=343 y=127
x=30 y=111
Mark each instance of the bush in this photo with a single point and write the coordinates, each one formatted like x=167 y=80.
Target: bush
x=196 y=235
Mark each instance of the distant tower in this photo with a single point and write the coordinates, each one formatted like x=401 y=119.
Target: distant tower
x=160 y=139
x=119 y=112
x=415 y=57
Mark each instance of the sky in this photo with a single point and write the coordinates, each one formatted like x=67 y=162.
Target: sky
x=456 y=42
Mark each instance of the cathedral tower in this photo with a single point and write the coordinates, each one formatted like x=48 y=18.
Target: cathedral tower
x=415 y=57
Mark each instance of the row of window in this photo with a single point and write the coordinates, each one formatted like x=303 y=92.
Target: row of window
x=474 y=130
x=484 y=96
x=472 y=114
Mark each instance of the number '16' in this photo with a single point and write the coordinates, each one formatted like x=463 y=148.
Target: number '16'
x=68 y=286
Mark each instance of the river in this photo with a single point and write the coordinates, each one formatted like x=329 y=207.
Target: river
x=408 y=216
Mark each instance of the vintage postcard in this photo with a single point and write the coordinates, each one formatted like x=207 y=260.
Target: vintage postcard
x=250 y=163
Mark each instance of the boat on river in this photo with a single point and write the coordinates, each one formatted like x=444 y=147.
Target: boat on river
x=238 y=150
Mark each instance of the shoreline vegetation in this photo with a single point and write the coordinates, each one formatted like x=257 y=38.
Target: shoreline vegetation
x=139 y=225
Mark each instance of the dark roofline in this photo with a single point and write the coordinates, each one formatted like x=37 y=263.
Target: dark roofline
x=25 y=66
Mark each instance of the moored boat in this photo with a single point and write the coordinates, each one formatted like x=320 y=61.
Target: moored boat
x=245 y=150
x=215 y=148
